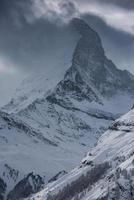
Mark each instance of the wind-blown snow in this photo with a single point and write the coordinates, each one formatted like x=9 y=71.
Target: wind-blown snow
x=116 y=147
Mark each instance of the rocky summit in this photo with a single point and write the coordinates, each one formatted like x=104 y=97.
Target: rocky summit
x=92 y=75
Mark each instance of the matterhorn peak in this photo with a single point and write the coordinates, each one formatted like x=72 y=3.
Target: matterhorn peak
x=89 y=48
x=83 y=28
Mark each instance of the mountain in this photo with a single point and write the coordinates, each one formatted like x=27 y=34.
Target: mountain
x=63 y=115
x=106 y=173
x=21 y=149
x=92 y=77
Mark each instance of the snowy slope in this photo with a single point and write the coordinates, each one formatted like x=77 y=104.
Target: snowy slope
x=67 y=113
x=21 y=149
x=24 y=150
x=36 y=85
x=113 y=157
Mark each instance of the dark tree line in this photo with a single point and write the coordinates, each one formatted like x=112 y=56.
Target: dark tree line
x=81 y=184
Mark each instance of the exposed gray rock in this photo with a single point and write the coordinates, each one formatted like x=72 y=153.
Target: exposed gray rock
x=92 y=75
x=29 y=185
x=2 y=189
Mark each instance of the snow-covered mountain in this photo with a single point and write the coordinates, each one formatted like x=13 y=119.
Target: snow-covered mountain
x=63 y=115
x=92 y=78
x=21 y=149
x=106 y=173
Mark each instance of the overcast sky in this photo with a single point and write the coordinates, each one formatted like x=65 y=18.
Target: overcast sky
x=35 y=34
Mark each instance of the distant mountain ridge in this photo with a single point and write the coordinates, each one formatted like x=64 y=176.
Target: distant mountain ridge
x=63 y=115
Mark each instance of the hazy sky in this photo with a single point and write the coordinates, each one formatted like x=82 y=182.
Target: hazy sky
x=35 y=35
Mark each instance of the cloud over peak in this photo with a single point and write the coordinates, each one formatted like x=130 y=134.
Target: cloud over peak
x=126 y=4
x=117 y=13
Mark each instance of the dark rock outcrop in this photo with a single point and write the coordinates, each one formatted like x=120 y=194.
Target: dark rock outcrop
x=2 y=189
x=29 y=185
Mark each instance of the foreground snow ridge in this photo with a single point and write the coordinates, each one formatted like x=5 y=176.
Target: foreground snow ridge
x=106 y=173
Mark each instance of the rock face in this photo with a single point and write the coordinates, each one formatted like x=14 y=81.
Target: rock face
x=2 y=189
x=27 y=186
x=106 y=173
x=17 y=144
x=92 y=75
x=51 y=123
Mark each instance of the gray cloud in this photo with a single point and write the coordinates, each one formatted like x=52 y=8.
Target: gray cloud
x=15 y=11
x=68 y=8
x=36 y=44
x=32 y=30
x=112 y=12
x=127 y=4
x=28 y=41
x=58 y=11
x=114 y=15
